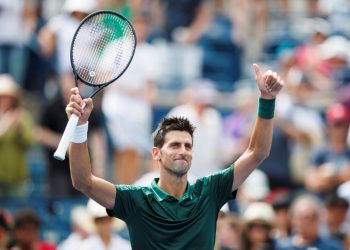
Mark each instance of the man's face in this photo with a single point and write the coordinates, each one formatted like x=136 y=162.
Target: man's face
x=305 y=221
x=176 y=154
x=26 y=234
x=338 y=128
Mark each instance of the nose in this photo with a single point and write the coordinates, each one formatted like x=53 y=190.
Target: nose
x=183 y=150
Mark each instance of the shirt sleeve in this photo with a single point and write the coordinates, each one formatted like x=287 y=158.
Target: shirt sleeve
x=220 y=186
x=318 y=157
x=125 y=204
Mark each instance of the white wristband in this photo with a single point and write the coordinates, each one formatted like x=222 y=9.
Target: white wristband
x=80 y=133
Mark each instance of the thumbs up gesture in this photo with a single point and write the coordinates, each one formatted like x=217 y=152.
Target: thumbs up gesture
x=268 y=83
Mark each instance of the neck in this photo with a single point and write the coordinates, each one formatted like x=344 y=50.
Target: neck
x=106 y=238
x=338 y=146
x=172 y=184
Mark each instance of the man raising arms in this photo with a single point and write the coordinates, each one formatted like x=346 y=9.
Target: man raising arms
x=171 y=213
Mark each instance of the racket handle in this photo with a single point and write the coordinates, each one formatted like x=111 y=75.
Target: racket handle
x=61 y=150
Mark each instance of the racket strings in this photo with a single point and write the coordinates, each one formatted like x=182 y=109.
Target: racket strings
x=103 y=48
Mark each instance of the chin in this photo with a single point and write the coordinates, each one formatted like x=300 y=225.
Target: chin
x=179 y=171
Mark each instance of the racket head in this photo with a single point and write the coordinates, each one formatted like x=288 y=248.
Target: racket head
x=102 y=48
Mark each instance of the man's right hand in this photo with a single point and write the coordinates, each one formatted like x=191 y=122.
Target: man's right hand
x=76 y=106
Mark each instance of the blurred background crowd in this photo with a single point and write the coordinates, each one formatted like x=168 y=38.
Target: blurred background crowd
x=193 y=58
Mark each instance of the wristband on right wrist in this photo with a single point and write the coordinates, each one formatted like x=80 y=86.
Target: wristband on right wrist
x=80 y=133
x=266 y=108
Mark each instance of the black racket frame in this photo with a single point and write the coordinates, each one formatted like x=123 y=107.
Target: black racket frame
x=76 y=77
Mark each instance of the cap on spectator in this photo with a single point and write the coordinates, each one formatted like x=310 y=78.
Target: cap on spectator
x=320 y=25
x=204 y=91
x=82 y=219
x=96 y=210
x=259 y=211
x=256 y=186
x=243 y=97
x=84 y=6
x=335 y=47
x=8 y=86
x=338 y=112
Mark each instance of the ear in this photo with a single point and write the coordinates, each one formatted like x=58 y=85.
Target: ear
x=156 y=153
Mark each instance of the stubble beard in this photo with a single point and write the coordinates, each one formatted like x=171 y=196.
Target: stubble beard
x=178 y=171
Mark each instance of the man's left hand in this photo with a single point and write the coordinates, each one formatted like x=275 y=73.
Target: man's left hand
x=269 y=83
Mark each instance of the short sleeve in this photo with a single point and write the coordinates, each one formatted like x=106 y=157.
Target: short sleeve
x=220 y=185
x=125 y=202
x=318 y=157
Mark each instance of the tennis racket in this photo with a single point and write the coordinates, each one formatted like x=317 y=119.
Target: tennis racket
x=102 y=49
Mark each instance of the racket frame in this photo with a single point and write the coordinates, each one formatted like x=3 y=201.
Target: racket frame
x=76 y=75
x=73 y=120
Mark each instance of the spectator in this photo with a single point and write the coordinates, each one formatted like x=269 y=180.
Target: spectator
x=305 y=215
x=82 y=227
x=56 y=36
x=259 y=219
x=127 y=107
x=16 y=138
x=335 y=223
x=37 y=67
x=200 y=97
x=26 y=231
x=250 y=19
x=330 y=165
x=335 y=52
x=281 y=205
x=308 y=57
x=184 y=21
x=303 y=125
x=52 y=122
x=238 y=124
x=254 y=189
x=12 y=37
x=104 y=238
x=228 y=232
x=221 y=55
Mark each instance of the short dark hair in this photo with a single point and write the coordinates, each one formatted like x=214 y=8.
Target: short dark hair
x=171 y=124
x=333 y=200
x=26 y=216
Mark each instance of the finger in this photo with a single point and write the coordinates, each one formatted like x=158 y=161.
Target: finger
x=272 y=78
x=89 y=103
x=271 y=81
x=76 y=106
x=70 y=110
x=76 y=98
x=257 y=71
x=74 y=91
x=278 y=85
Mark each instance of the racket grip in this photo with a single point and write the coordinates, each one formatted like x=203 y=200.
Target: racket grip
x=61 y=150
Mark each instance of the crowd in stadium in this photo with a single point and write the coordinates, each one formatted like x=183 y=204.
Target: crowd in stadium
x=194 y=59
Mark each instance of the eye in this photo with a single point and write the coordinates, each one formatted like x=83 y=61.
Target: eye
x=188 y=146
x=174 y=145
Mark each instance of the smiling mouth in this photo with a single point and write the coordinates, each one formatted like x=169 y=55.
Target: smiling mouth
x=181 y=160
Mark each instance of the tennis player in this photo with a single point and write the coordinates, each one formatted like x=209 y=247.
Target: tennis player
x=171 y=213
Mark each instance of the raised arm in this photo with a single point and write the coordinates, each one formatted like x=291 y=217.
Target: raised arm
x=83 y=180
x=269 y=85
